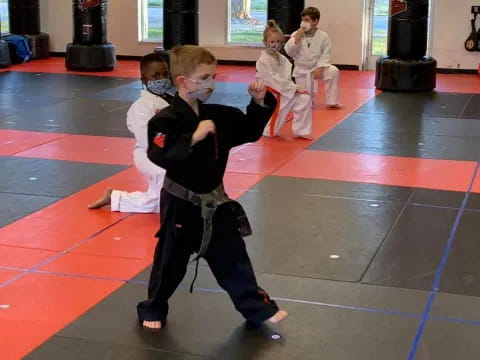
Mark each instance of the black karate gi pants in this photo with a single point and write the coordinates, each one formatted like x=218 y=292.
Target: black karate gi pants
x=179 y=237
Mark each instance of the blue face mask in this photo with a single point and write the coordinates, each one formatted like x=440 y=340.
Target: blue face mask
x=159 y=87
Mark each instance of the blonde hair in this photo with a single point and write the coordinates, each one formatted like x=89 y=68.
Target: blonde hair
x=185 y=59
x=271 y=28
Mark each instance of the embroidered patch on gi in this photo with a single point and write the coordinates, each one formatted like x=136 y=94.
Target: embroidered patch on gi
x=159 y=140
x=266 y=297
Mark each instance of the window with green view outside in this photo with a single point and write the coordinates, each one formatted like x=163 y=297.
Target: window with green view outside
x=4 y=15
x=152 y=20
x=247 y=20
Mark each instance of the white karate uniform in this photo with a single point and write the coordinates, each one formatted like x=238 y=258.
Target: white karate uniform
x=277 y=75
x=138 y=117
x=310 y=54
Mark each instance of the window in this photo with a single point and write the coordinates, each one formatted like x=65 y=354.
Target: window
x=247 y=20
x=380 y=27
x=4 y=15
x=151 y=20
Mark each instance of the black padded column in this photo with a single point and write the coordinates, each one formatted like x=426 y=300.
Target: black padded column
x=406 y=68
x=90 y=50
x=286 y=13
x=180 y=23
x=90 y=22
x=408 y=30
x=24 y=17
x=5 y=60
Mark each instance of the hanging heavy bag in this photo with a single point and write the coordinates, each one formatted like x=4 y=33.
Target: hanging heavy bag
x=406 y=68
x=24 y=16
x=90 y=22
x=408 y=29
x=90 y=50
x=286 y=13
x=180 y=23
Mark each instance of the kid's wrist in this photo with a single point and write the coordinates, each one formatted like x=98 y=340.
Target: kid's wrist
x=260 y=102
x=195 y=138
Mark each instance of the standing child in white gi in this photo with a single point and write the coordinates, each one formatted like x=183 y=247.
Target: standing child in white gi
x=275 y=70
x=156 y=78
x=310 y=49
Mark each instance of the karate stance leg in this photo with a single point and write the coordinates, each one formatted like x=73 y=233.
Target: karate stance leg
x=302 y=116
x=231 y=266
x=331 y=77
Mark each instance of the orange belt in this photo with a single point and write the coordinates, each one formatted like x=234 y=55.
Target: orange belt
x=273 y=119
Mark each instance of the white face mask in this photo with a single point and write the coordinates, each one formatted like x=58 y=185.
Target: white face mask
x=274 y=46
x=204 y=89
x=305 y=26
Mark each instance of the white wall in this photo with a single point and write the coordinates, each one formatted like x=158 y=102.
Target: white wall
x=450 y=29
x=123 y=28
x=122 y=25
x=342 y=19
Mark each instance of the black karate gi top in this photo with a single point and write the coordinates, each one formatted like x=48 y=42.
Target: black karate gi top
x=201 y=167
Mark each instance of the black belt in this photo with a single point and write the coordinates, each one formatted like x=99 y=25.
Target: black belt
x=208 y=204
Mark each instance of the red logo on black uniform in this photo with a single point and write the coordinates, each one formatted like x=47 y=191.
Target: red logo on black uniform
x=266 y=298
x=159 y=141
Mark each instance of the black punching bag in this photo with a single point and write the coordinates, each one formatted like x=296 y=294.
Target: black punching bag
x=408 y=29
x=180 y=23
x=5 y=60
x=286 y=13
x=406 y=68
x=90 y=50
x=90 y=22
x=24 y=18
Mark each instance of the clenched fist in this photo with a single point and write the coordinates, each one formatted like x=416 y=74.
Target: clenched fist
x=204 y=128
x=257 y=90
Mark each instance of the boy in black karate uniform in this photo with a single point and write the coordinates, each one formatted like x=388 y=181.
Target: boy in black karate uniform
x=192 y=140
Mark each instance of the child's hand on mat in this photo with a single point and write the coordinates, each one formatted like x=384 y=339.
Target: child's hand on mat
x=257 y=91
x=204 y=128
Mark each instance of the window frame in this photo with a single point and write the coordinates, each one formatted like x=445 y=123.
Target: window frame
x=143 y=24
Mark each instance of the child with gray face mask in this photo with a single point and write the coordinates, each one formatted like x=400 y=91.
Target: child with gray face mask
x=275 y=70
x=155 y=78
x=192 y=141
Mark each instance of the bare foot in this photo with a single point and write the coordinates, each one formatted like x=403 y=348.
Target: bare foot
x=154 y=325
x=304 y=137
x=104 y=200
x=279 y=316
